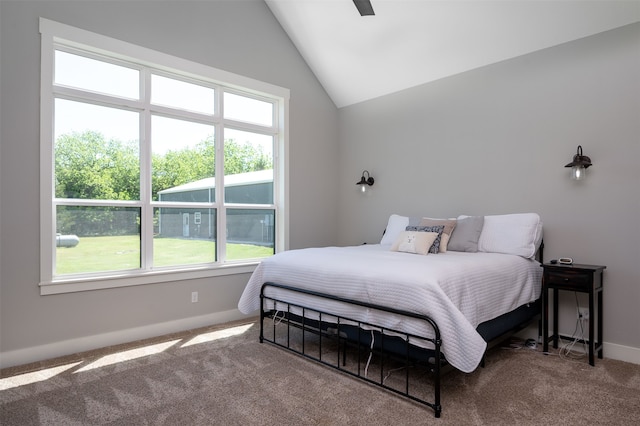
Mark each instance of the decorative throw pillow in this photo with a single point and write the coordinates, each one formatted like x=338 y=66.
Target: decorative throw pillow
x=466 y=235
x=414 y=242
x=449 y=225
x=435 y=247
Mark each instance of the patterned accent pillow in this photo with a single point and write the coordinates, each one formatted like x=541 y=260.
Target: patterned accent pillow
x=435 y=247
x=449 y=225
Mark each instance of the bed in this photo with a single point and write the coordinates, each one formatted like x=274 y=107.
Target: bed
x=403 y=297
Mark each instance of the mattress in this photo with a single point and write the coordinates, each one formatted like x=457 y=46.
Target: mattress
x=457 y=290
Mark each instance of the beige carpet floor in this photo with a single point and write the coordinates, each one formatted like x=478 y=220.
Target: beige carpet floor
x=222 y=375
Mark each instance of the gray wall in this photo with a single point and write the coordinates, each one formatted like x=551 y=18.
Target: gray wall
x=495 y=140
x=489 y=141
x=237 y=36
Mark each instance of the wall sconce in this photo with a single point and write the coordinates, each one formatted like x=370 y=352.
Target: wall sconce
x=365 y=183
x=579 y=165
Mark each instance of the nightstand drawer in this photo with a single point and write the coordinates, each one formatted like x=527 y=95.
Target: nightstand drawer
x=568 y=279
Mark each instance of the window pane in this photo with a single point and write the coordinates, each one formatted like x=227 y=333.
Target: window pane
x=179 y=94
x=248 y=167
x=184 y=236
x=96 y=76
x=250 y=234
x=96 y=152
x=97 y=239
x=249 y=110
x=183 y=160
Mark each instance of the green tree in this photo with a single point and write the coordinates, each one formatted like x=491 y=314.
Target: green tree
x=177 y=167
x=89 y=167
x=242 y=158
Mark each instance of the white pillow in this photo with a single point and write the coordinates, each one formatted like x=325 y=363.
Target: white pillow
x=518 y=234
x=415 y=242
x=395 y=226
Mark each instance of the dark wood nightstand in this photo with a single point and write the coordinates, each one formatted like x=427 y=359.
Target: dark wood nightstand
x=581 y=278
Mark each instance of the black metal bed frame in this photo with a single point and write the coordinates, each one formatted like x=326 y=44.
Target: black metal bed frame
x=432 y=359
x=331 y=326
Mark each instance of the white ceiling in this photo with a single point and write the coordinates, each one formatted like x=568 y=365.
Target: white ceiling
x=411 y=42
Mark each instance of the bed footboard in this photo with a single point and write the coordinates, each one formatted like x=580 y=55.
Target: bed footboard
x=386 y=358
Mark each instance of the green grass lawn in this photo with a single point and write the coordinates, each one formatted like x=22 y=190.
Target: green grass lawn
x=96 y=254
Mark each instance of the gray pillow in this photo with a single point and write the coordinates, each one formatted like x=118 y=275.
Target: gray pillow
x=466 y=234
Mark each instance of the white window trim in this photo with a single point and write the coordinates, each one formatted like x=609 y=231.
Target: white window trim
x=53 y=32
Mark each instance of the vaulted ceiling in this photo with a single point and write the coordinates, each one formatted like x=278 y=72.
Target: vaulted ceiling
x=411 y=42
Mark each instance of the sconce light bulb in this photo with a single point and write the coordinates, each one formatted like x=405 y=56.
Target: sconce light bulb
x=579 y=165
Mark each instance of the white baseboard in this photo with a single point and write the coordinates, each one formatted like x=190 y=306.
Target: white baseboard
x=621 y=353
x=87 y=343
x=609 y=350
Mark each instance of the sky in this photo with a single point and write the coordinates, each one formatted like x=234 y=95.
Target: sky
x=166 y=133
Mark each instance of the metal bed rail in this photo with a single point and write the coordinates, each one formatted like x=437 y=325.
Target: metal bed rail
x=370 y=340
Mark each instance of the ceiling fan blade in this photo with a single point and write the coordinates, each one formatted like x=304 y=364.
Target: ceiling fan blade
x=364 y=7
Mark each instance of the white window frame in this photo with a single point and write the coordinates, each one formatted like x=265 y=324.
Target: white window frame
x=53 y=35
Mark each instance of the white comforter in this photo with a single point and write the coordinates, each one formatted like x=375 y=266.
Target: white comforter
x=457 y=290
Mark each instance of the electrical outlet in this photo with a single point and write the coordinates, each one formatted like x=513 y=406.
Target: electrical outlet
x=194 y=296
x=583 y=314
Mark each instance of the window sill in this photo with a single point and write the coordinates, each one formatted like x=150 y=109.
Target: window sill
x=127 y=280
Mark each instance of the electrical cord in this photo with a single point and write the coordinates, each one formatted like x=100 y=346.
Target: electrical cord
x=366 y=368
x=567 y=351
x=278 y=318
x=516 y=344
x=393 y=370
